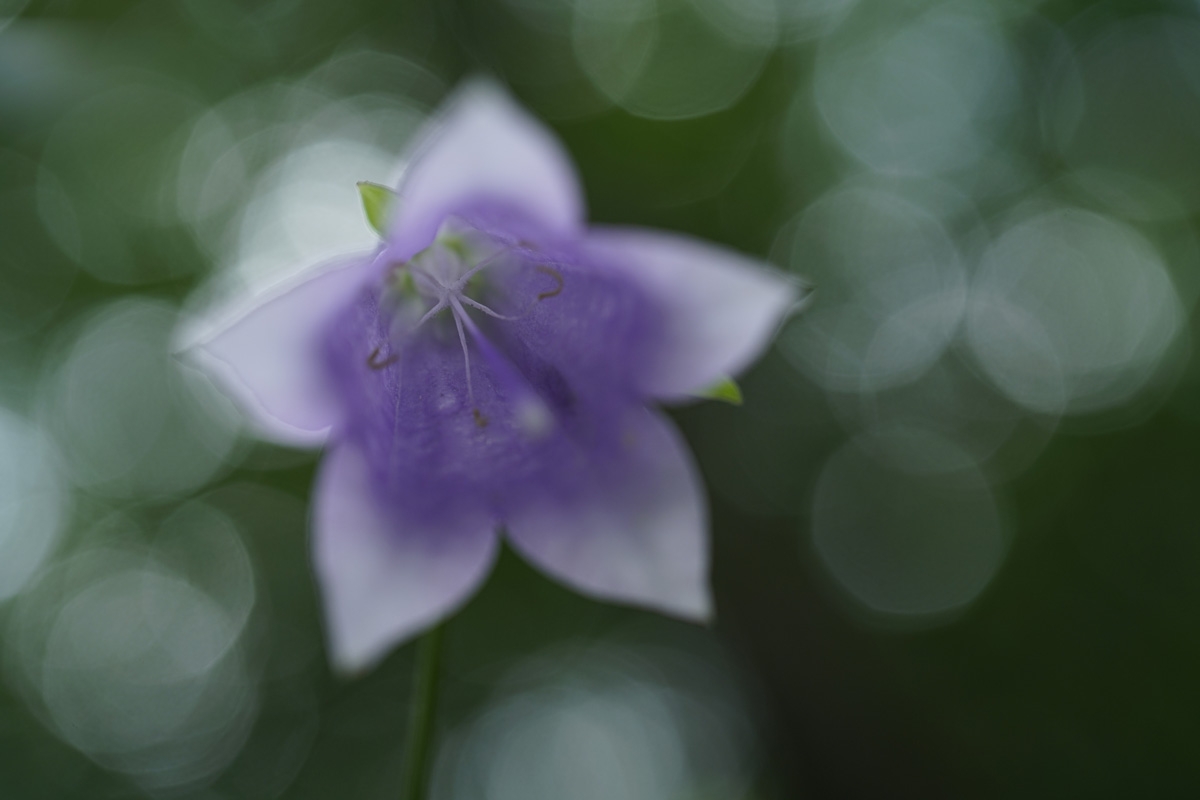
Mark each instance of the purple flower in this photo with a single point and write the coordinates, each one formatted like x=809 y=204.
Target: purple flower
x=487 y=371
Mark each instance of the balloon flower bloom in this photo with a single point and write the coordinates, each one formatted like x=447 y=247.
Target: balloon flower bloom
x=489 y=371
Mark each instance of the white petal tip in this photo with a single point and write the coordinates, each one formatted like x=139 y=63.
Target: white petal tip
x=696 y=606
x=355 y=657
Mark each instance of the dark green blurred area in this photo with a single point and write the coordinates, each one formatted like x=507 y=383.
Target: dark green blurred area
x=1051 y=649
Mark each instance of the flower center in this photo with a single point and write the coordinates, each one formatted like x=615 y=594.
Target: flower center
x=437 y=280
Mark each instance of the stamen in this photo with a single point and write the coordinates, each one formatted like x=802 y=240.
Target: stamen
x=375 y=363
x=558 y=278
x=545 y=270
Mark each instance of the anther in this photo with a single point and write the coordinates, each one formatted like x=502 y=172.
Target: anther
x=376 y=363
x=480 y=419
x=558 y=279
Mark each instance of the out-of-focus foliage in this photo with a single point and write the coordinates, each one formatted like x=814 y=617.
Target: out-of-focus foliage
x=955 y=535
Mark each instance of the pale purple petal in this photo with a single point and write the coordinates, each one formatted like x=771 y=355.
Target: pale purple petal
x=268 y=360
x=484 y=151
x=720 y=308
x=385 y=579
x=630 y=528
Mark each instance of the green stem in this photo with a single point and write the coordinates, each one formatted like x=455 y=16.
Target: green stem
x=421 y=721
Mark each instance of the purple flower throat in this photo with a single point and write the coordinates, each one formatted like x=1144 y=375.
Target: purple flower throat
x=459 y=365
x=442 y=278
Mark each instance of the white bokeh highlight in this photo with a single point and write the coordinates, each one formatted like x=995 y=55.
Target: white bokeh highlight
x=35 y=501
x=890 y=289
x=129 y=418
x=137 y=664
x=920 y=98
x=1071 y=311
x=601 y=724
x=906 y=525
x=665 y=59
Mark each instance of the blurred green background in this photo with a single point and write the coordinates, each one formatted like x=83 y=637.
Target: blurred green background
x=955 y=521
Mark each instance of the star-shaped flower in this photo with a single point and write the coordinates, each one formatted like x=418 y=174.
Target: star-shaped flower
x=487 y=371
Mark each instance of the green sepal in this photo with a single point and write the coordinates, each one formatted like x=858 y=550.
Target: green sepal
x=377 y=202
x=725 y=390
